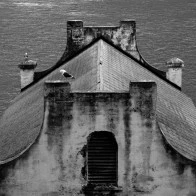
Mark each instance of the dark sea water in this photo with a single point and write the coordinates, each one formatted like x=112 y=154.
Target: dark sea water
x=165 y=29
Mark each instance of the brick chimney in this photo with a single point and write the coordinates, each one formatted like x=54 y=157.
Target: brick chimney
x=27 y=70
x=174 y=72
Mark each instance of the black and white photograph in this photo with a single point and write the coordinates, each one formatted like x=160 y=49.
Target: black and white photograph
x=98 y=98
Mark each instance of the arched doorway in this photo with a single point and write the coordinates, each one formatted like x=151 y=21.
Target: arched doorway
x=102 y=156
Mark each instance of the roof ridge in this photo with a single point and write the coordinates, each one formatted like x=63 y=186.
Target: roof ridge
x=100 y=64
x=98 y=68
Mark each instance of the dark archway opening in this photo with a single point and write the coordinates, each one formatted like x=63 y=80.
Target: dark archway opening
x=102 y=159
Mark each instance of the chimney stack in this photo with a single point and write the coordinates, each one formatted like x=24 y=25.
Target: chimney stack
x=123 y=36
x=27 y=70
x=75 y=34
x=128 y=35
x=174 y=72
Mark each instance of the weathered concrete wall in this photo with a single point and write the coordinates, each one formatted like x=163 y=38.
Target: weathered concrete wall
x=55 y=165
x=156 y=169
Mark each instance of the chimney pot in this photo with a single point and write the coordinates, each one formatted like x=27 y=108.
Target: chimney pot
x=27 y=69
x=175 y=62
x=174 y=72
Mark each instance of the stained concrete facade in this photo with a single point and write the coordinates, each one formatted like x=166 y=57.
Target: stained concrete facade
x=57 y=163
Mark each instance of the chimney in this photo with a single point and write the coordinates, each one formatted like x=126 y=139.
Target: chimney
x=27 y=68
x=57 y=100
x=56 y=90
x=128 y=36
x=75 y=36
x=123 y=36
x=174 y=72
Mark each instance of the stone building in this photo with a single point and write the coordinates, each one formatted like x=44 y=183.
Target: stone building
x=120 y=127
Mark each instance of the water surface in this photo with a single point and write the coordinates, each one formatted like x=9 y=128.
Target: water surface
x=165 y=29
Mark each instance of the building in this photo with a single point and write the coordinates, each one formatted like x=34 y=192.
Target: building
x=121 y=127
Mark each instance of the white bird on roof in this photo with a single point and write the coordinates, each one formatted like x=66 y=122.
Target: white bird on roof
x=66 y=74
x=26 y=56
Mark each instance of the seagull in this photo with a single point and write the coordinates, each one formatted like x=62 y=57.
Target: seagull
x=66 y=75
x=26 y=57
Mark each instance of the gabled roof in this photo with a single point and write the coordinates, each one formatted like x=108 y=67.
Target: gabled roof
x=100 y=67
x=39 y=75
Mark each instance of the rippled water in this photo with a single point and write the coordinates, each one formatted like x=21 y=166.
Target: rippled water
x=165 y=29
